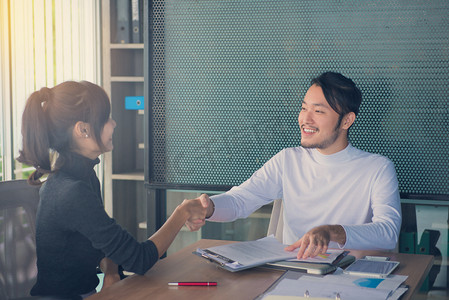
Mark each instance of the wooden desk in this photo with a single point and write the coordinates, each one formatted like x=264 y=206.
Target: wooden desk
x=247 y=284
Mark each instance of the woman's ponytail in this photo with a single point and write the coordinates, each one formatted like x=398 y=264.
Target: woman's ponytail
x=36 y=147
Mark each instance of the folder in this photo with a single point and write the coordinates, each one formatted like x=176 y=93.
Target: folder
x=136 y=21
x=428 y=241
x=407 y=242
x=335 y=286
x=427 y=245
x=122 y=24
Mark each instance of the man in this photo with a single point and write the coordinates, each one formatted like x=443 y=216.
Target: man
x=333 y=194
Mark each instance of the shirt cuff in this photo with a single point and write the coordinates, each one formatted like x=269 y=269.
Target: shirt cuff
x=223 y=211
x=347 y=238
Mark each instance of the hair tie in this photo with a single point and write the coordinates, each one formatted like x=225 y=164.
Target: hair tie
x=46 y=94
x=42 y=171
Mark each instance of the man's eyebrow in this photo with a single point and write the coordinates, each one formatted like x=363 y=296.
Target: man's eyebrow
x=314 y=104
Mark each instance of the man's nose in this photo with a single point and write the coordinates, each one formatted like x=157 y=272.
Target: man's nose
x=305 y=117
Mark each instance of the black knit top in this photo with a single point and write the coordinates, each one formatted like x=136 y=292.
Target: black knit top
x=74 y=232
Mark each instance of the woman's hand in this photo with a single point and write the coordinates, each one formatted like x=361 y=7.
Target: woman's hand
x=199 y=209
x=110 y=270
x=110 y=279
x=192 y=210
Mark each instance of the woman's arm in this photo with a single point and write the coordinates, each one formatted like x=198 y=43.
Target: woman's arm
x=187 y=210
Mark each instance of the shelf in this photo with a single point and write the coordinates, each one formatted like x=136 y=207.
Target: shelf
x=425 y=202
x=258 y=215
x=138 y=176
x=127 y=78
x=124 y=193
x=126 y=46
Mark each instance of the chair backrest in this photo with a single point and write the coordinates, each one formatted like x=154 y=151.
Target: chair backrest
x=18 y=208
x=276 y=225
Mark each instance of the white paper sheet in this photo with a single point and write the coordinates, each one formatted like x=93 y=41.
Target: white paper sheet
x=257 y=252
x=327 y=258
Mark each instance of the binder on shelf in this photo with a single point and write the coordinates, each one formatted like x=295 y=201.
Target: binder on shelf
x=123 y=22
x=134 y=102
x=427 y=245
x=407 y=242
x=136 y=21
x=428 y=241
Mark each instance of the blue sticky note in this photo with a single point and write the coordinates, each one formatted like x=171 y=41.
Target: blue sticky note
x=134 y=102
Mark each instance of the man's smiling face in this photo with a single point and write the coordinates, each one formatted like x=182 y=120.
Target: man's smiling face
x=321 y=126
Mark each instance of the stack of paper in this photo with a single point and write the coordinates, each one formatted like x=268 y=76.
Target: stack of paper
x=340 y=286
x=244 y=255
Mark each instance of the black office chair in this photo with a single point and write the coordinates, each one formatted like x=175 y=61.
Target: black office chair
x=18 y=207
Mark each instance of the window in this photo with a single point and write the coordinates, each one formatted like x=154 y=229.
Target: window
x=43 y=43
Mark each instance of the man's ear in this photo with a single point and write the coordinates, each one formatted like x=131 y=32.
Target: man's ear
x=348 y=120
x=81 y=129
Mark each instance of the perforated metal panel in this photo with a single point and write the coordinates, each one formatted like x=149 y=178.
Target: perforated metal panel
x=229 y=77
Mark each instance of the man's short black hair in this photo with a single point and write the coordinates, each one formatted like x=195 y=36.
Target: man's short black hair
x=340 y=92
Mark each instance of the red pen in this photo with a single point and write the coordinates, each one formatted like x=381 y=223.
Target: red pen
x=194 y=283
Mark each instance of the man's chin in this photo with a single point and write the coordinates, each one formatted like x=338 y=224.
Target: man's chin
x=308 y=145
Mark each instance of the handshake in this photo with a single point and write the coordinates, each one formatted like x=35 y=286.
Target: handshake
x=197 y=211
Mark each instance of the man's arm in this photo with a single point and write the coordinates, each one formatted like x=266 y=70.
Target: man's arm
x=263 y=187
x=383 y=230
x=381 y=233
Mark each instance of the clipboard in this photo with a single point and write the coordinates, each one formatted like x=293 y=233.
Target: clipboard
x=222 y=261
x=269 y=252
x=244 y=255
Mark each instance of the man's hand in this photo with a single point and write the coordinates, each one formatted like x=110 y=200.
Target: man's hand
x=316 y=240
x=195 y=223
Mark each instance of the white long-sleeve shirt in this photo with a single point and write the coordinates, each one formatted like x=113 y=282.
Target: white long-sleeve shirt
x=352 y=188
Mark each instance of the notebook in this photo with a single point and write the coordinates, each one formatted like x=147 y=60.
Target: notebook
x=314 y=267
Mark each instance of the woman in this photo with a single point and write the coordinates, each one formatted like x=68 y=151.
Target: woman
x=64 y=130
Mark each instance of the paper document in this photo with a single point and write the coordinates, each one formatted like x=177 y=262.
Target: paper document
x=327 y=258
x=347 y=287
x=244 y=255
